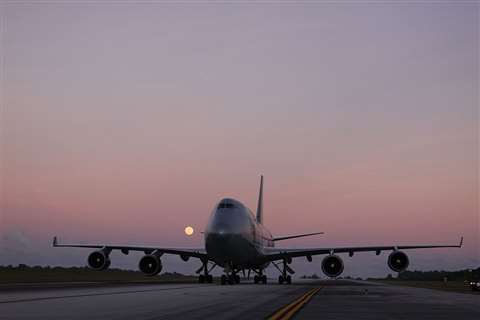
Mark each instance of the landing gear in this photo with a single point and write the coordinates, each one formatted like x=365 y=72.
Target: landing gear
x=284 y=277
x=230 y=276
x=264 y=279
x=260 y=279
x=206 y=277
x=230 y=279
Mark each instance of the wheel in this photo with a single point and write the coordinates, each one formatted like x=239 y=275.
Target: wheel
x=289 y=279
x=231 y=279
x=264 y=279
x=223 y=279
x=256 y=279
x=201 y=279
x=209 y=278
x=237 y=279
x=280 y=279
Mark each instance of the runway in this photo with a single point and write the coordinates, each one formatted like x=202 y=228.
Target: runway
x=328 y=300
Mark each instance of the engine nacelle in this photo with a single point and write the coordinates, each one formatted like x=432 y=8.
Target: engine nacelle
x=398 y=261
x=98 y=260
x=150 y=264
x=332 y=266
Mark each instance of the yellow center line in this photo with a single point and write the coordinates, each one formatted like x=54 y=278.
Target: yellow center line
x=281 y=311
x=295 y=309
x=290 y=309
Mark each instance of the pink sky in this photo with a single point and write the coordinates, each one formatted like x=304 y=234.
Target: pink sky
x=125 y=123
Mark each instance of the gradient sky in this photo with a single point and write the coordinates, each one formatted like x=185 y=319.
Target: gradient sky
x=125 y=122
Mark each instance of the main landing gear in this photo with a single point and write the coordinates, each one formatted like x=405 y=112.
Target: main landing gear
x=206 y=277
x=287 y=279
x=284 y=277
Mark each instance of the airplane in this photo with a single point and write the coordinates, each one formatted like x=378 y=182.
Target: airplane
x=236 y=240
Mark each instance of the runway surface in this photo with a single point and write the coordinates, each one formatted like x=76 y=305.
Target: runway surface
x=329 y=300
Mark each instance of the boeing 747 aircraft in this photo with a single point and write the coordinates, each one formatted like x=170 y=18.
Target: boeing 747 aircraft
x=237 y=241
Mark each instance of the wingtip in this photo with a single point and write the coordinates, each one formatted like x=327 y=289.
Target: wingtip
x=461 y=242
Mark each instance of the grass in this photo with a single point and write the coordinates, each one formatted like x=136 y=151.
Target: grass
x=10 y=275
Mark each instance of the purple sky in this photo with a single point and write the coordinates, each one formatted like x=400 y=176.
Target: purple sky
x=126 y=122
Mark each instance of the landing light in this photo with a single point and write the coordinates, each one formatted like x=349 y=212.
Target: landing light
x=188 y=231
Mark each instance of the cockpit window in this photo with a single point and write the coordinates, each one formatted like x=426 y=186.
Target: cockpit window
x=225 y=205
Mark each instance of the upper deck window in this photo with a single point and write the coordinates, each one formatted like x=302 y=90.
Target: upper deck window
x=225 y=205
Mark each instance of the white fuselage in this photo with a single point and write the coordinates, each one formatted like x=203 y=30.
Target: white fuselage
x=234 y=238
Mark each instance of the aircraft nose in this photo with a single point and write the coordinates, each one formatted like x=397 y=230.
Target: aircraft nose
x=226 y=223
x=222 y=229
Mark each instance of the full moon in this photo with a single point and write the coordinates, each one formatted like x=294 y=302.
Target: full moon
x=188 y=231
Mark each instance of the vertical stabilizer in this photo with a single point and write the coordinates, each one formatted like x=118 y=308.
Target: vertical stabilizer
x=260 y=202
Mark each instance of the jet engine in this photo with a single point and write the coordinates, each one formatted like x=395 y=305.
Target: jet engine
x=98 y=260
x=332 y=266
x=398 y=261
x=150 y=264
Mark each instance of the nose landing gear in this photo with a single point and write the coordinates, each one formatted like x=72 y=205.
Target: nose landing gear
x=261 y=278
x=230 y=279
x=230 y=276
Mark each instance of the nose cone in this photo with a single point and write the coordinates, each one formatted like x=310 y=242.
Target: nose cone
x=228 y=230
x=225 y=223
x=227 y=219
x=225 y=241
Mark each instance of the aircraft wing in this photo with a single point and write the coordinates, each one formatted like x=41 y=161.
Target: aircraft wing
x=274 y=254
x=184 y=252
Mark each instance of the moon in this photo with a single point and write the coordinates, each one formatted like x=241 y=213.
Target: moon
x=188 y=231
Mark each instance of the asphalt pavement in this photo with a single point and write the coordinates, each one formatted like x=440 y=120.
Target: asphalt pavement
x=307 y=299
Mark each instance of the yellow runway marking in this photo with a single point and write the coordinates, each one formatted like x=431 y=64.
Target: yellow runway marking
x=290 y=309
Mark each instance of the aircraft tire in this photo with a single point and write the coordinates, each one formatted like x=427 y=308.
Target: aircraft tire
x=280 y=279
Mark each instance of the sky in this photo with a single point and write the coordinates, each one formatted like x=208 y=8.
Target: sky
x=124 y=122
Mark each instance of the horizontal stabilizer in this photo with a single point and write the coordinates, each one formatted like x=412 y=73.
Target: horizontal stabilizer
x=297 y=236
